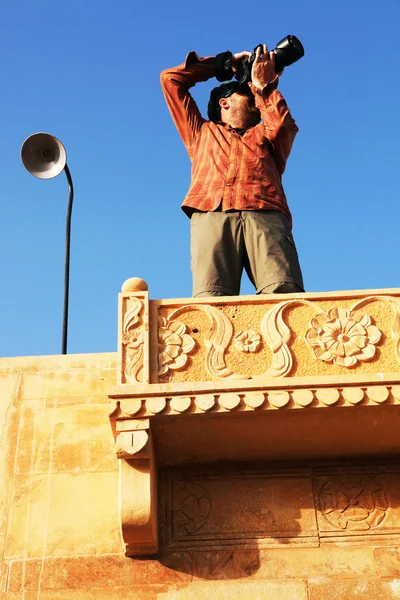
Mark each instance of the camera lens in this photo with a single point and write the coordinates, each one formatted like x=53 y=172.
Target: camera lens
x=288 y=51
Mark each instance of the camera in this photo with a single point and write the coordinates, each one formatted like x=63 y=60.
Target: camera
x=287 y=51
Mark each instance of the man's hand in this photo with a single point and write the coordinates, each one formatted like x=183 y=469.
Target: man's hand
x=236 y=58
x=263 y=71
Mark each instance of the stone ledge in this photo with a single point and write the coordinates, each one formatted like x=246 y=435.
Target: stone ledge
x=253 y=398
x=249 y=420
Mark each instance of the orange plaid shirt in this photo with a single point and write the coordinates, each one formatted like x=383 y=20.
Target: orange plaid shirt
x=238 y=172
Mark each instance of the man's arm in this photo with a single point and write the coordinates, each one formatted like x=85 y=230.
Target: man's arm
x=279 y=125
x=175 y=84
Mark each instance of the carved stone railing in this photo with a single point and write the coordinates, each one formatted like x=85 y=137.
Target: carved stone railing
x=235 y=366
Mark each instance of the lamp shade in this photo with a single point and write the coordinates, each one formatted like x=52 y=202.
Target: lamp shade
x=43 y=155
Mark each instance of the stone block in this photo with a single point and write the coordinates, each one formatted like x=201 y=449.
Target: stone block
x=96 y=572
x=63 y=514
x=69 y=381
x=65 y=434
x=133 y=592
x=363 y=589
x=50 y=384
x=288 y=563
x=10 y=402
x=266 y=590
x=59 y=362
x=4 y=571
x=387 y=561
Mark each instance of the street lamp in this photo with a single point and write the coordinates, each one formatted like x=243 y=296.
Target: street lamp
x=44 y=156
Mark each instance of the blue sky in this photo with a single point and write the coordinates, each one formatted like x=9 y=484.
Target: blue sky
x=88 y=72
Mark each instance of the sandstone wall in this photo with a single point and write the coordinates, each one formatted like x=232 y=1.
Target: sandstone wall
x=60 y=534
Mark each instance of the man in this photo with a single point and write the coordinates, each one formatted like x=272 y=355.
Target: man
x=238 y=209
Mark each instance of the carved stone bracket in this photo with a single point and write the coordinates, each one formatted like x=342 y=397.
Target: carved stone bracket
x=138 y=487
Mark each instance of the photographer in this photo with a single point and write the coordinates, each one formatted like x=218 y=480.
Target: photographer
x=236 y=203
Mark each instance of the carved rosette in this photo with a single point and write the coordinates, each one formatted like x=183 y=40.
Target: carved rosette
x=343 y=337
x=353 y=503
x=133 y=342
x=248 y=341
x=174 y=345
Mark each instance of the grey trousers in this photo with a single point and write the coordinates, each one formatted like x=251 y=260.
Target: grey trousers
x=261 y=242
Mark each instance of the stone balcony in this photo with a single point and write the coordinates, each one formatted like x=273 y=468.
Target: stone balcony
x=258 y=420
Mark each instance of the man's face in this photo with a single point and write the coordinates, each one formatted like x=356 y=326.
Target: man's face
x=244 y=105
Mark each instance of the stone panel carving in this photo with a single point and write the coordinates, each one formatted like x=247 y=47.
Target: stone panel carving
x=269 y=506
x=353 y=502
x=339 y=336
x=358 y=502
x=133 y=341
x=228 y=505
x=216 y=344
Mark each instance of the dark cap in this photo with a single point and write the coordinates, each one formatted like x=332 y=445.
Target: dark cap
x=224 y=91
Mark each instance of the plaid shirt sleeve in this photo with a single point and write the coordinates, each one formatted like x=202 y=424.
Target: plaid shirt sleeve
x=280 y=127
x=175 y=84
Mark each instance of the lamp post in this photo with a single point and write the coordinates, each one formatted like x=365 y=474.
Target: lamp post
x=44 y=156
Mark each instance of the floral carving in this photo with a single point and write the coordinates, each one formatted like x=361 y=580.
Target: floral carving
x=343 y=337
x=174 y=344
x=133 y=341
x=353 y=503
x=216 y=343
x=277 y=334
x=247 y=341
